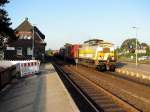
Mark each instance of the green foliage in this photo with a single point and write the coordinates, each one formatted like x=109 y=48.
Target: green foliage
x=147 y=50
x=129 y=44
x=144 y=44
x=67 y=44
x=49 y=52
x=5 y=30
x=132 y=50
x=3 y=2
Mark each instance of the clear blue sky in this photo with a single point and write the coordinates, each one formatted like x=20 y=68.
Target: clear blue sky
x=74 y=21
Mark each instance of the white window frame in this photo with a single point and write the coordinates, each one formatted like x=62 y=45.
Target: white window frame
x=29 y=51
x=19 y=51
x=21 y=37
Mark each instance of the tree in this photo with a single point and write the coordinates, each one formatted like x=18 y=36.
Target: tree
x=67 y=44
x=130 y=45
x=49 y=52
x=5 y=31
x=144 y=44
x=146 y=48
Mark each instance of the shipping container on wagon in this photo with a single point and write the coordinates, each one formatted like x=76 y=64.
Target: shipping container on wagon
x=74 y=51
x=71 y=51
x=62 y=51
x=67 y=50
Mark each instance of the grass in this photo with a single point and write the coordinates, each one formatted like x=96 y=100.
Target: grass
x=127 y=58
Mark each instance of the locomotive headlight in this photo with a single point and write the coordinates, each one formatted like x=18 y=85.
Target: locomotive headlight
x=112 y=58
x=100 y=49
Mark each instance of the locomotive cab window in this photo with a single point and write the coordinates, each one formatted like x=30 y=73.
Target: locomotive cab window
x=106 y=50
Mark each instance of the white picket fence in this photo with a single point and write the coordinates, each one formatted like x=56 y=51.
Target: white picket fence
x=23 y=67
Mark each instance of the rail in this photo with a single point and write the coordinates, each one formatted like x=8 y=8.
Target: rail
x=93 y=107
x=83 y=87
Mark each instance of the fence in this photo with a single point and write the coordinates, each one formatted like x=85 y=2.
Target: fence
x=9 y=69
x=26 y=68
x=6 y=74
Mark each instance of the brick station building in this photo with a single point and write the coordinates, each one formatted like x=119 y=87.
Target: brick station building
x=27 y=37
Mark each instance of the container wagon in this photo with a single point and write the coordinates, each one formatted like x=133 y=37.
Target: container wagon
x=71 y=52
x=92 y=53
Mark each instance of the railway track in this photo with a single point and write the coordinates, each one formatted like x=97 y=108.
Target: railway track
x=98 y=98
x=80 y=98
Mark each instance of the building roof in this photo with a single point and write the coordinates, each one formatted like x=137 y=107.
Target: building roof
x=98 y=40
x=39 y=32
x=26 y=26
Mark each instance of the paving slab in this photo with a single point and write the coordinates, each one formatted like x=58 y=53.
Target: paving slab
x=140 y=67
x=39 y=93
x=140 y=72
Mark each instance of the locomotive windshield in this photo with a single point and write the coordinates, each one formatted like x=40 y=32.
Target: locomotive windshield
x=106 y=50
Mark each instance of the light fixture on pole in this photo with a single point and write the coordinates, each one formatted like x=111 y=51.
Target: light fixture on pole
x=136 y=51
x=33 y=43
x=117 y=52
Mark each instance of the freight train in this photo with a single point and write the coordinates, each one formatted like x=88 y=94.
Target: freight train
x=92 y=53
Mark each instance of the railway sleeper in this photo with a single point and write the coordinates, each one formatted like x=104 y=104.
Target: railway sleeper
x=103 y=101
x=111 y=105
x=100 y=98
x=94 y=94
x=114 y=110
x=108 y=105
x=111 y=108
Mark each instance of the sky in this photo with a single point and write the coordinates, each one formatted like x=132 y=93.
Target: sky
x=75 y=21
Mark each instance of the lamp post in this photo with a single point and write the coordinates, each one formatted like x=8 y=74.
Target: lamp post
x=136 y=45
x=33 y=43
x=117 y=53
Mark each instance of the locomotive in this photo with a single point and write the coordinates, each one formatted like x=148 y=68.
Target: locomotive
x=92 y=53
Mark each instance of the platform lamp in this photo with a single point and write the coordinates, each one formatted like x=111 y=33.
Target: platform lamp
x=117 y=52
x=33 y=42
x=136 y=30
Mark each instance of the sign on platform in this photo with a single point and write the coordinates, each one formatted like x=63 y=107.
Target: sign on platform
x=76 y=60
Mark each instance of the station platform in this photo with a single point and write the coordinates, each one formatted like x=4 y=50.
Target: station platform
x=139 y=67
x=39 y=93
x=141 y=71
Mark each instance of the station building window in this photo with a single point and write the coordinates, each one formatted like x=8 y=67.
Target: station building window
x=29 y=37
x=21 y=37
x=19 y=51
x=29 y=51
x=25 y=37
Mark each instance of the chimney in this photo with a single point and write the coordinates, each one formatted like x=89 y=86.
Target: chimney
x=26 y=19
